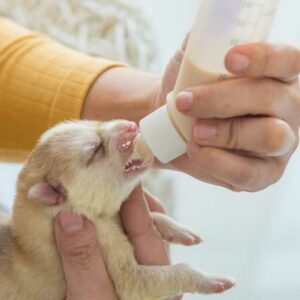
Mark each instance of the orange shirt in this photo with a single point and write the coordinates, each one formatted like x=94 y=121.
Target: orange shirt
x=41 y=83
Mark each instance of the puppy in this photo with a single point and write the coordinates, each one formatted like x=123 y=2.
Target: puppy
x=94 y=166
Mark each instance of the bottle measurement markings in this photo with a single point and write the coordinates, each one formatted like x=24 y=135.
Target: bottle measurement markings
x=251 y=13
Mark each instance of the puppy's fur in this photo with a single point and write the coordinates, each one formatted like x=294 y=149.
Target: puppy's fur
x=87 y=162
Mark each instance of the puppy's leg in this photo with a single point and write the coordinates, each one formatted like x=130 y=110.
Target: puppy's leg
x=136 y=282
x=174 y=232
x=167 y=281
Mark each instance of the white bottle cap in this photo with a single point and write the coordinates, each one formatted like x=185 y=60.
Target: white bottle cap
x=160 y=134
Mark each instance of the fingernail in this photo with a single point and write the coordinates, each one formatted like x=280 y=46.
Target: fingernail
x=71 y=222
x=218 y=287
x=184 y=101
x=205 y=131
x=238 y=62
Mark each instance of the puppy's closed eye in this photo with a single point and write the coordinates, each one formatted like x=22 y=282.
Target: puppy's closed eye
x=99 y=148
x=98 y=151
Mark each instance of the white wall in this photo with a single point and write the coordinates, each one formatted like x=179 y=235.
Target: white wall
x=171 y=20
x=8 y=175
x=253 y=237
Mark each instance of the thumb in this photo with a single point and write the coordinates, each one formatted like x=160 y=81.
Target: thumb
x=82 y=260
x=172 y=70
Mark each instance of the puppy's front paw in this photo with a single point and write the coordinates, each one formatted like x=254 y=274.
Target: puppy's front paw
x=215 y=284
x=196 y=281
x=174 y=232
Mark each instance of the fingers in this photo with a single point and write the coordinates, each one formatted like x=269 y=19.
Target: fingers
x=171 y=72
x=83 y=264
x=266 y=137
x=239 y=97
x=241 y=172
x=135 y=214
x=255 y=116
x=185 y=41
x=150 y=249
x=153 y=203
x=186 y=165
x=264 y=60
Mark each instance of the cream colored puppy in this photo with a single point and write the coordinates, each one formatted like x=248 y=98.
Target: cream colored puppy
x=95 y=166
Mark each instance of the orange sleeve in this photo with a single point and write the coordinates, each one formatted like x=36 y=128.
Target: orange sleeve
x=41 y=83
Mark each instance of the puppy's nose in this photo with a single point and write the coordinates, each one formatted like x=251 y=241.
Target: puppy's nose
x=133 y=127
x=126 y=136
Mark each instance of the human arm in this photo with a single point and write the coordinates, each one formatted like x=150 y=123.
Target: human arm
x=237 y=157
x=100 y=89
x=41 y=83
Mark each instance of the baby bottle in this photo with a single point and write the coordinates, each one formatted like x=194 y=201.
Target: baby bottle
x=219 y=25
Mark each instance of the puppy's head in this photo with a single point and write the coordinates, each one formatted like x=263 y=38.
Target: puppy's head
x=94 y=164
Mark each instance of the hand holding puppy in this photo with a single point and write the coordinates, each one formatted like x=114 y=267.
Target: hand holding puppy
x=84 y=267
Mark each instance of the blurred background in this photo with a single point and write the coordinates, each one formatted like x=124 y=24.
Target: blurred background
x=253 y=237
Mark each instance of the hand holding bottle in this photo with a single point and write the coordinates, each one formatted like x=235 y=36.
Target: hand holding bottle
x=236 y=114
x=247 y=128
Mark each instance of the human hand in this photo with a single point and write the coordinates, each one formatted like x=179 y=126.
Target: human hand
x=247 y=128
x=83 y=263
x=149 y=246
x=84 y=267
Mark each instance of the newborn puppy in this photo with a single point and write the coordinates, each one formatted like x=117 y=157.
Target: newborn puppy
x=95 y=166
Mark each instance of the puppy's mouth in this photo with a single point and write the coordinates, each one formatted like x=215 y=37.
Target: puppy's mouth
x=137 y=157
x=135 y=166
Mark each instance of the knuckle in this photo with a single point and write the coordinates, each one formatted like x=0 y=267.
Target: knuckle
x=294 y=95
x=296 y=143
x=280 y=139
x=81 y=252
x=161 y=208
x=235 y=189
x=205 y=92
x=201 y=156
x=277 y=167
x=207 y=154
x=274 y=96
x=266 y=58
x=216 y=100
x=266 y=93
x=208 y=95
x=293 y=53
x=270 y=90
x=232 y=141
x=246 y=177
x=288 y=99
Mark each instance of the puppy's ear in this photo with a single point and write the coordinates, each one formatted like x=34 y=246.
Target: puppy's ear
x=44 y=192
